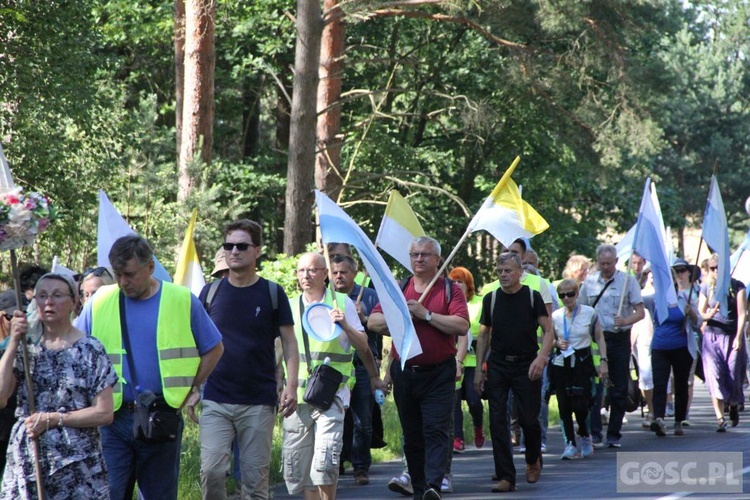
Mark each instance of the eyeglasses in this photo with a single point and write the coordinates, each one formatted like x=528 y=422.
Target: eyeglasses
x=680 y=270
x=713 y=268
x=97 y=271
x=420 y=255
x=567 y=295
x=311 y=271
x=241 y=247
x=56 y=297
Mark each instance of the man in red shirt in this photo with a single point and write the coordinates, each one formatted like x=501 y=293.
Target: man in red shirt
x=423 y=390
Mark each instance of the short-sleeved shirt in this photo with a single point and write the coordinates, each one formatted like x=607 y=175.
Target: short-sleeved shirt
x=141 y=317
x=246 y=372
x=514 y=321
x=368 y=302
x=579 y=327
x=436 y=345
x=609 y=303
x=720 y=323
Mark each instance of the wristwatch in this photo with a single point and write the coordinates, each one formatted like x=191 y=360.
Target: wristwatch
x=603 y=359
x=428 y=316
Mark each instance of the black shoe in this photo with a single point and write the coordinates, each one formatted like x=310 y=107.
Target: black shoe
x=734 y=415
x=431 y=494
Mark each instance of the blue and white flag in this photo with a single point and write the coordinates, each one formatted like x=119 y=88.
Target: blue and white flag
x=648 y=241
x=112 y=226
x=716 y=235
x=337 y=227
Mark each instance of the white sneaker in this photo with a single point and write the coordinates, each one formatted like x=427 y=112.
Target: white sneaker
x=446 y=487
x=401 y=484
x=604 y=415
x=587 y=448
x=570 y=453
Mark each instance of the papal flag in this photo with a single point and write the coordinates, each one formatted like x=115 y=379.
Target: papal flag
x=398 y=229
x=189 y=272
x=112 y=226
x=337 y=226
x=505 y=215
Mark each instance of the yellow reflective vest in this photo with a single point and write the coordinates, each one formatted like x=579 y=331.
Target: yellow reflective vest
x=175 y=344
x=340 y=359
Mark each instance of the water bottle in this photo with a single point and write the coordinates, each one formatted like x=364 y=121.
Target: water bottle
x=379 y=397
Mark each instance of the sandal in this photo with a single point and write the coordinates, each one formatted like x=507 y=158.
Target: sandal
x=722 y=427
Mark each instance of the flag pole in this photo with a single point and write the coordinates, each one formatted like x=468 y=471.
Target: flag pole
x=27 y=375
x=326 y=256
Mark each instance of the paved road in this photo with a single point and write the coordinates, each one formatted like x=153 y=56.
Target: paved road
x=590 y=478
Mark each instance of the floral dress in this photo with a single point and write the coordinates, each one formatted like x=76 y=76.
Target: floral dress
x=72 y=463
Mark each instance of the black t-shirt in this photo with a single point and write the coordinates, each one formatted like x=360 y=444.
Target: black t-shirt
x=514 y=321
x=246 y=373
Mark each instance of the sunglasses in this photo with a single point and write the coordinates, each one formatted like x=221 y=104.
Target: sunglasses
x=241 y=247
x=7 y=316
x=680 y=270
x=567 y=295
x=97 y=271
x=713 y=268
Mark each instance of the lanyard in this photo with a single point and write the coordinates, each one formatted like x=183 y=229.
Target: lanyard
x=566 y=331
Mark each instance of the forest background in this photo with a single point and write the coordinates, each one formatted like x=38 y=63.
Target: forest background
x=436 y=98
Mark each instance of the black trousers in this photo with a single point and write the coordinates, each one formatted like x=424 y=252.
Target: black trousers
x=425 y=407
x=679 y=362
x=504 y=376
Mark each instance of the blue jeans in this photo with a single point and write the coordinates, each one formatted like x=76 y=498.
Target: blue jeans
x=156 y=465
x=361 y=406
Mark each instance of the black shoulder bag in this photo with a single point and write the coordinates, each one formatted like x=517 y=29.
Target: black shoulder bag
x=153 y=420
x=323 y=382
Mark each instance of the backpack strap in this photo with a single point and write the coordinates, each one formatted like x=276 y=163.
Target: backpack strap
x=448 y=287
x=211 y=294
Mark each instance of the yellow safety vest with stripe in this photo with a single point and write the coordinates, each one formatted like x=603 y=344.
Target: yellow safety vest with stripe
x=175 y=344
x=340 y=359
x=475 y=313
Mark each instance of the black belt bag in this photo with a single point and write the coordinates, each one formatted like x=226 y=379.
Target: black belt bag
x=154 y=421
x=322 y=387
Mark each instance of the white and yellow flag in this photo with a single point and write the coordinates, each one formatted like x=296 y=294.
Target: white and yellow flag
x=505 y=215
x=398 y=229
x=189 y=272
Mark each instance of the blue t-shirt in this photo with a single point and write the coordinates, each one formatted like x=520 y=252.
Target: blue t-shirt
x=369 y=300
x=245 y=374
x=141 y=317
x=669 y=335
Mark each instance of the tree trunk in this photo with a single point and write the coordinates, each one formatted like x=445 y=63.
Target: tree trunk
x=251 y=91
x=198 y=105
x=299 y=197
x=179 y=68
x=328 y=159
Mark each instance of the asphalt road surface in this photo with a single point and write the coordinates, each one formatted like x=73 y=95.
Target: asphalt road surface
x=595 y=477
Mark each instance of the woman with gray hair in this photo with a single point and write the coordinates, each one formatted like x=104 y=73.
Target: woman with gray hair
x=72 y=380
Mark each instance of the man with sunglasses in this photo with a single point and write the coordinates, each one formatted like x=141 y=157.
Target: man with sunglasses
x=163 y=345
x=424 y=388
x=240 y=397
